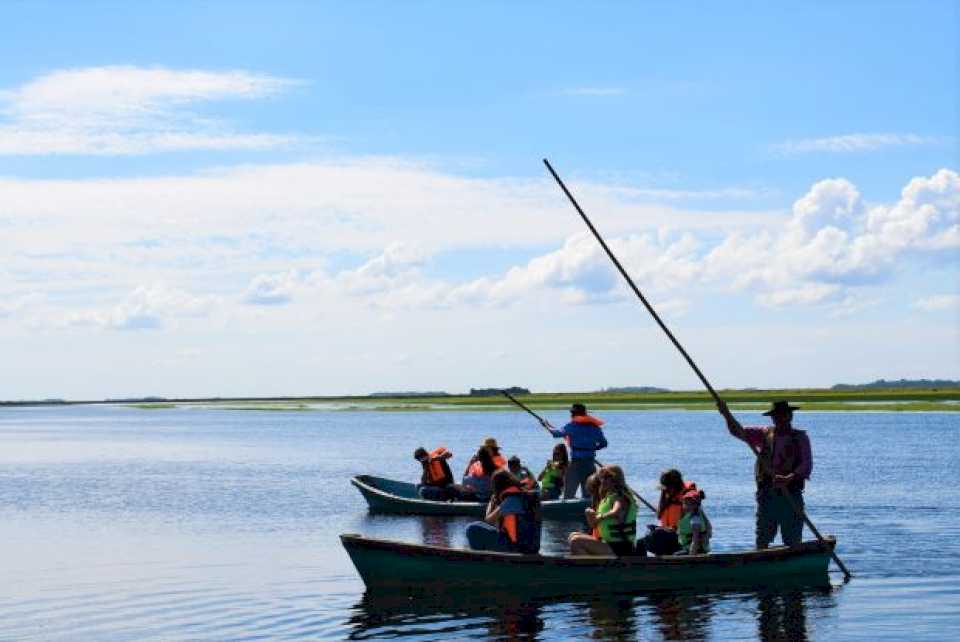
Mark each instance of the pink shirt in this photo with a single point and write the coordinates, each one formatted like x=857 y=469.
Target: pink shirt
x=754 y=436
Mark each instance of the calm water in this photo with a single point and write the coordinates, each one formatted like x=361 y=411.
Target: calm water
x=191 y=524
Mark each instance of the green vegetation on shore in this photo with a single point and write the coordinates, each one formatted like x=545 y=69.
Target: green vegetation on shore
x=872 y=400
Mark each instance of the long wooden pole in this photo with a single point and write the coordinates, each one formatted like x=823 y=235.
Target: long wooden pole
x=656 y=317
x=547 y=425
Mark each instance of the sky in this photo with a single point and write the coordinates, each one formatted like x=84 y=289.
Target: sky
x=298 y=198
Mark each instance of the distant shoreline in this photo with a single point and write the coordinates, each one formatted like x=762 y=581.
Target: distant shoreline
x=870 y=400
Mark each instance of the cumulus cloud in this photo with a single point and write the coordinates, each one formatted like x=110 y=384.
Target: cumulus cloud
x=144 y=309
x=272 y=289
x=852 y=143
x=123 y=110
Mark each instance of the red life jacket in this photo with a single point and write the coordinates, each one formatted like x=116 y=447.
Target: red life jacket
x=437 y=473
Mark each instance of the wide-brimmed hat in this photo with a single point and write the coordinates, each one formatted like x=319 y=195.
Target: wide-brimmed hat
x=490 y=442
x=780 y=407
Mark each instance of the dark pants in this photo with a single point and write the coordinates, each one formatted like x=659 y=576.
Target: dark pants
x=774 y=511
x=576 y=477
x=549 y=494
x=481 y=536
x=659 y=541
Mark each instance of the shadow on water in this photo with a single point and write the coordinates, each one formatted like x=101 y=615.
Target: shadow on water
x=780 y=614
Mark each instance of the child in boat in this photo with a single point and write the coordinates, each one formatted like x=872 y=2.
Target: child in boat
x=551 y=477
x=522 y=473
x=512 y=523
x=476 y=481
x=614 y=519
x=436 y=481
x=694 y=529
x=662 y=539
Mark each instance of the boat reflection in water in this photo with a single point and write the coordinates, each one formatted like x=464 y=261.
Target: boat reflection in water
x=435 y=530
x=780 y=614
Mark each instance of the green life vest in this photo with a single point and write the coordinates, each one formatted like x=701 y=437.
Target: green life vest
x=611 y=530
x=551 y=475
x=685 y=531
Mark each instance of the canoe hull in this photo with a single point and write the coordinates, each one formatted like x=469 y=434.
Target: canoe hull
x=395 y=566
x=396 y=497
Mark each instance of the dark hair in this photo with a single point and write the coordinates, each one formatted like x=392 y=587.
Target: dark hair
x=578 y=409
x=502 y=480
x=592 y=485
x=485 y=458
x=420 y=453
x=514 y=460
x=671 y=483
x=560 y=456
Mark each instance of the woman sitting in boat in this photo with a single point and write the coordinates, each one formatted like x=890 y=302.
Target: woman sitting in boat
x=614 y=520
x=491 y=445
x=512 y=523
x=662 y=539
x=551 y=477
x=476 y=481
x=694 y=529
x=436 y=482
x=521 y=472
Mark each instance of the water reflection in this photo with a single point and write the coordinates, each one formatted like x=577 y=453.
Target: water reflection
x=780 y=614
x=435 y=530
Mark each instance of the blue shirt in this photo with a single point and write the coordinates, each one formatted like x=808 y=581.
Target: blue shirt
x=583 y=439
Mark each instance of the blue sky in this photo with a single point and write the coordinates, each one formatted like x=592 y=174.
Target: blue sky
x=298 y=198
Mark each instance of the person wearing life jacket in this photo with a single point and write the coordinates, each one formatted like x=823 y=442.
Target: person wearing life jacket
x=551 y=477
x=584 y=437
x=491 y=445
x=512 y=523
x=476 y=482
x=436 y=480
x=661 y=539
x=694 y=529
x=614 y=520
x=521 y=472
x=783 y=465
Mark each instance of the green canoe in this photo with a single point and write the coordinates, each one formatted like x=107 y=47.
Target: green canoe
x=416 y=568
x=391 y=496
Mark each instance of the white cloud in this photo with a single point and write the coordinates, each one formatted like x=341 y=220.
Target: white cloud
x=938 y=302
x=852 y=143
x=124 y=110
x=144 y=309
x=272 y=289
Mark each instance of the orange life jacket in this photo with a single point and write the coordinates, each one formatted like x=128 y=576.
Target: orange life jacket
x=435 y=468
x=499 y=461
x=508 y=523
x=586 y=419
x=670 y=516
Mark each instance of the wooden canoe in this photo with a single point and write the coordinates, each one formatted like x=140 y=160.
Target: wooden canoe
x=391 y=496
x=415 y=568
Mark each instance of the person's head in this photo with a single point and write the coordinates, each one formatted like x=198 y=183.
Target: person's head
x=781 y=413
x=560 y=455
x=612 y=480
x=593 y=485
x=671 y=481
x=514 y=464
x=420 y=454
x=485 y=457
x=491 y=444
x=578 y=410
x=502 y=480
x=692 y=499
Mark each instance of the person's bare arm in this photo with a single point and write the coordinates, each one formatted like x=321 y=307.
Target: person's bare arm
x=493 y=511
x=733 y=426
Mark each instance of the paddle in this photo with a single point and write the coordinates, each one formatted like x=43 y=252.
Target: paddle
x=656 y=317
x=547 y=426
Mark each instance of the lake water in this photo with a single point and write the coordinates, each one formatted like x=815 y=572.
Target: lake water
x=197 y=524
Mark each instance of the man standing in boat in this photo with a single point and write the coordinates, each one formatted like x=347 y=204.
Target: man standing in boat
x=584 y=438
x=783 y=466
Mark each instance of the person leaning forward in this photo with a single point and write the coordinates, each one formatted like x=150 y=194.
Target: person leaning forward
x=783 y=466
x=584 y=438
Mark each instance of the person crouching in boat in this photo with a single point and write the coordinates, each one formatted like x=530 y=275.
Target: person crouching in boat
x=662 y=539
x=615 y=519
x=477 y=480
x=551 y=477
x=521 y=472
x=512 y=523
x=694 y=529
x=436 y=481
